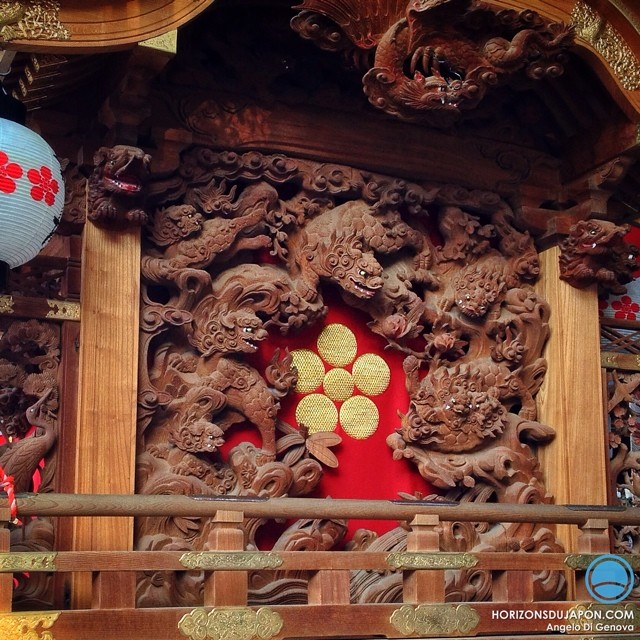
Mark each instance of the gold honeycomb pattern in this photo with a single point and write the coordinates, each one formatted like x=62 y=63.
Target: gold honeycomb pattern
x=337 y=385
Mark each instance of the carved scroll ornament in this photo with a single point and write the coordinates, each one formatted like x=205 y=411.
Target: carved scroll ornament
x=435 y=60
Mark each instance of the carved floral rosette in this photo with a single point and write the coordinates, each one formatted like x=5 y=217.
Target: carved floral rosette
x=239 y=246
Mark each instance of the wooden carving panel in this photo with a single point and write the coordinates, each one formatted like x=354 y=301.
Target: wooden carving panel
x=241 y=246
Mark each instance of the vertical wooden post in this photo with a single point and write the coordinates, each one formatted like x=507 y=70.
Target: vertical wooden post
x=6 y=579
x=593 y=538
x=329 y=587
x=574 y=464
x=226 y=588
x=106 y=429
x=424 y=586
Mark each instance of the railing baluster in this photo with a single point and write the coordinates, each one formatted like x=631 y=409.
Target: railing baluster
x=329 y=587
x=226 y=588
x=424 y=586
x=6 y=579
x=593 y=538
x=114 y=590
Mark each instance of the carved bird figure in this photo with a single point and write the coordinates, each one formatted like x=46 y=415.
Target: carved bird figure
x=21 y=458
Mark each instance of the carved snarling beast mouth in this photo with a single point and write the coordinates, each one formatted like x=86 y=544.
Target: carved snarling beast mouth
x=250 y=339
x=125 y=184
x=361 y=289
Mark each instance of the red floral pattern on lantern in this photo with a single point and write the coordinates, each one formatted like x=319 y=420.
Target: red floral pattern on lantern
x=626 y=308
x=9 y=173
x=45 y=185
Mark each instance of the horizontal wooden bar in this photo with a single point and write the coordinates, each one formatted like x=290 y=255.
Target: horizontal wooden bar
x=58 y=504
x=69 y=561
x=461 y=620
x=41 y=308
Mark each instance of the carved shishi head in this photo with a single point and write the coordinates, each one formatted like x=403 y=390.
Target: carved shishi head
x=217 y=329
x=454 y=409
x=124 y=169
x=595 y=252
x=340 y=258
x=175 y=223
x=117 y=185
x=476 y=289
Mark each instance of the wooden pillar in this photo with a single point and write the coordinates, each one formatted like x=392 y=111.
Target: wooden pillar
x=571 y=397
x=424 y=586
x=108 y=375
x=226 y=588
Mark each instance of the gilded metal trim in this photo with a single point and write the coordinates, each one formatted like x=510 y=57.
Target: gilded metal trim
x=32 y=626
x=581 y=561
x=39 y=20
x=231 y=560
x=416 y=560
x=435 y=619
x=606 y=40
x=27 y=561
x=167 y=42
x=239 y=623
x=6 y=305
x=63 y=310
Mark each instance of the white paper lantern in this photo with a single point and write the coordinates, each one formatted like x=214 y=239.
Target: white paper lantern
x=31 y=193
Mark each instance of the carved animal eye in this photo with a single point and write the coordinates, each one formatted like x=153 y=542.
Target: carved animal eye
x=592 y=232
x=248 y=329
x=362 y=272
x=468 y=297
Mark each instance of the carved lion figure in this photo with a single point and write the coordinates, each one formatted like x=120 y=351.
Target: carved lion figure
x=116 y=186
x=595 y=252
x=453 y=409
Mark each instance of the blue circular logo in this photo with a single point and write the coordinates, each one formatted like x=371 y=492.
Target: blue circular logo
x=609 y=579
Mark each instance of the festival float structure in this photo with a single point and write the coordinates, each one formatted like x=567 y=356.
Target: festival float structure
x=378 y=252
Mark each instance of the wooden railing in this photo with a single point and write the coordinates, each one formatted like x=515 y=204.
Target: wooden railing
x=329 y=612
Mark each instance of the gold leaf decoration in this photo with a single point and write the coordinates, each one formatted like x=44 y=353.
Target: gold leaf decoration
x=230 y=560
x=230 y=623
x=606 y=40
x=435 y=619
x=29 y=626
x=37 y=21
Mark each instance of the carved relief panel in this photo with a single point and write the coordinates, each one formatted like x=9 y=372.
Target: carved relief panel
x=241 y=247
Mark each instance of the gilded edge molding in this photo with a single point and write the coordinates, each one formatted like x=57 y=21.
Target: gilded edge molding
x=29 y=626
x=63 y=310
x=230 y=560
x=435 y=619
x=606 y=40
x=6 y=305
x=581 y=561
x=31 y=20
x=239 y=623
x=409 y=560
x=27 y=561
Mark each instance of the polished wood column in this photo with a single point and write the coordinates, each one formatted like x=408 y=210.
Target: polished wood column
x=574 y=464
x=108 y=376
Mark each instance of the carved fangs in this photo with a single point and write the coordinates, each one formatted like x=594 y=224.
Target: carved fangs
x=123 y=185
x=365 y=291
